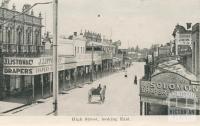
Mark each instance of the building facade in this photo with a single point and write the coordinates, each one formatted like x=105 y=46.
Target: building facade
x=20 y=37
x=195 y=49
x=182 y=40
x=26 y=57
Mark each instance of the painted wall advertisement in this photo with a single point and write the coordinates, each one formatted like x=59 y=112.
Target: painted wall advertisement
x=33 y=66
x=163 y=84
x=11 y=61
x=162 y=90
x=34 y=70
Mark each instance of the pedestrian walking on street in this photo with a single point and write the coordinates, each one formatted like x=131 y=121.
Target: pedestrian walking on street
x=135 y=80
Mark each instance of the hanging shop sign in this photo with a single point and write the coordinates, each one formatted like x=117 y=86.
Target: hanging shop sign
x=161 y=85
x=184 y=50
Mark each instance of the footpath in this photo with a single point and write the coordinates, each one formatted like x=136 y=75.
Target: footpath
x=11 y=106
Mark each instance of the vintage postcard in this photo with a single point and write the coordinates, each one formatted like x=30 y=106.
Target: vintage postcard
x=100 y=61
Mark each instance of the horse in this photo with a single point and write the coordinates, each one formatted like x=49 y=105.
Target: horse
x=93 y=92
x=102 y=94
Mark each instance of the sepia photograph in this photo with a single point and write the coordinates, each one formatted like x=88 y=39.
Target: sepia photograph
x=100 y=60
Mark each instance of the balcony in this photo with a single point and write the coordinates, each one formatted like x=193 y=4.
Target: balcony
x=106 y=56
x=9 y=48
x=31 y=50
x=40 y=49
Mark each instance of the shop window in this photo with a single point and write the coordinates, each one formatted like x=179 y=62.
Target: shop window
x=1 y=34
x=75 y=50
x=17 y=86
x=173 y=102
x=191 y=103
x=19 y=36
x=37 y=38
x=181 y=102
x=28 y=36
x=27 y=81
x=9 y=35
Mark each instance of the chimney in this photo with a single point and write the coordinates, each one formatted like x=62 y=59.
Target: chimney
x=189 y=25
x=26 y=8
x=14 y=7
x=5 y=4
x=75 y=33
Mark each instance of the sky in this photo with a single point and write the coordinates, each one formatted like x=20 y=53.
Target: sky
x=134 y=22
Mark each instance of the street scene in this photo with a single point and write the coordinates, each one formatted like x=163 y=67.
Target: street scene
x=120 y=98
x=99 y=58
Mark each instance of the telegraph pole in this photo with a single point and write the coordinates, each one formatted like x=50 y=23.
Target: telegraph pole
x=55 y=71
x=92 y=72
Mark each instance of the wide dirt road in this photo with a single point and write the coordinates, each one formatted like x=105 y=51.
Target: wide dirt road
x=122 y=98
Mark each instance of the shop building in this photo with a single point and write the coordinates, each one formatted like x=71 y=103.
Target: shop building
x=19 y=38
x=182 y=39
x=195 y=49
x=26 y=59
x=103 y=47
x=167 y=90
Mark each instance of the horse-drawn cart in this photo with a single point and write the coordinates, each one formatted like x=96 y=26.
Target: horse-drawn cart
x=98 y=93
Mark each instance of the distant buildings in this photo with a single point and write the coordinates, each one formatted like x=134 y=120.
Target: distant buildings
x=164 y=51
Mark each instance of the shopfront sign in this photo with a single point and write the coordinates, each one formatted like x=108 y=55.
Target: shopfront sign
x=18 y=61
x=42 y=61
x=163 y=84
x=17 y=71
x=43 y=69
x=162 y=90
x=7 y=70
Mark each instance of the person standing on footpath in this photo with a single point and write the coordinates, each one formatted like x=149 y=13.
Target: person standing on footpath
x=135 y=80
